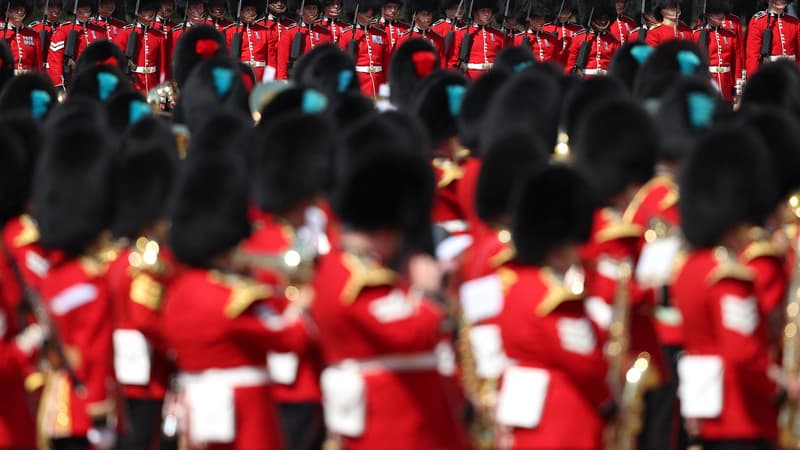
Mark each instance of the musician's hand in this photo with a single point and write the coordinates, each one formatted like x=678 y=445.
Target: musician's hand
x=425 y=273
x=101 y=435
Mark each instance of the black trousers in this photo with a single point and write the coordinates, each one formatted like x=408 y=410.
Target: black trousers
x=738 y=445
x=303 y=425
x=659 y=427
x=73 y=443
x=144 y=426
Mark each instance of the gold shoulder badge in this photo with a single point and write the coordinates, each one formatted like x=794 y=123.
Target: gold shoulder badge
x=645 y=190
x=728 y=268
x=363 y=273
x=146 y=291
x=759 y=249
x=557 y=293
x=616 y=228
x=451 y=171
x=29 y=233
x=507 y=278
x=244 y=292
x=506 y=254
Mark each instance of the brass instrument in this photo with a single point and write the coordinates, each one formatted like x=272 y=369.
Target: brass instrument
x=163 y=98
x=562 y=151
x=789 y=417
x=628 y=386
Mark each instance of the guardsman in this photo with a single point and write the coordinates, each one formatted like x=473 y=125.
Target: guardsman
x=726 y=358
x=163 y=20
x=195 y=11
x=601 y=44
x=216 y=14
x=313 y=35
x=105 y=18
x=668 y=13
x=49 y=23
x=724 y=50
x=646 y=21
x=451 y=20
x=421 y=28
x=254 y=38
x=559 y=376
x=331 y=10
x=388 y=21
x=87 y=33
x=544 y=45
x=277 y=23
x=371 y=50
x=148 y=65
x=483 y=40
x=562 y=25
x=77 y=407
x=623 y=25
x=219 y=323
x=24 y=42
x=140 y=276
x=784 y=35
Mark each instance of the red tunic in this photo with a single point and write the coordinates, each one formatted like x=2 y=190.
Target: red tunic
x=50 y=28
x=771 y=278
x=660 y=33
x=313 y=36
x=218 y=24
x=335 y=26
x=546 y=47
x=564 y=31
x=365 y=314
x=429 y=35
x=255 y=46
x=724 y=55
x=720 y=317
x=20 y=238
x=25 y=48
x=601 y=49
x=393 y=29
x=544 y=326
x=486 y=44
x=151 y=58
x=372 y=57
x=87 y=33
x=621 y=28
x=784 y=38
x=112 y=25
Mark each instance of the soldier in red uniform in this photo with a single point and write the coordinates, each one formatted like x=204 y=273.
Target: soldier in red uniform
x=544 y=45
x=148 y=66
x=623 y=25
x=562 y=26
x=195 y=15
x=484 y=42
x=254 y=38
x=447 y=25
x=313 y=35
x=558 y=377
x=601 y=44
x=371 y=48
x=727 y=359
x=105 y=18
x=277 y=23
x=47 y=26
x=77 y=405
x=724 y=50
x=331 y=9
x=218 y=323
x=668 y=12
x=163 y=20
x=784 y=35
x=388 y=21
x=421 y=28
x=24 y=42
x=87 y=33
x=140 y=276
x=216 y=14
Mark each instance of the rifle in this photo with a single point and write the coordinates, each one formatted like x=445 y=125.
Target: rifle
x=448 y=39
x=44 y=38
x=466 y=43
x=766 y=41
x=583 y=52
x=133 y=41
x=185 y=15
x=555 y=22
x=5 y=23
x=505 y=21
x=236 y=40
x=702 y=39
x=642 y=35
x=352 y=46
x=297 y=42
x=526 y=41
x=70 y=47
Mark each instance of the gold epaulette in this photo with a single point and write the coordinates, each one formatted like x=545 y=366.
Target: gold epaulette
x=618 y=229
x=147 y=291
x=244 y=292
x=451 y=171
x=96 y=263
x=654 y=26
x=506 y=254
x=508 y=277
x=758 y=249
x=728 y=267
x=364 y=272
x=557 y=294
x=29 y=233
x=644 y=191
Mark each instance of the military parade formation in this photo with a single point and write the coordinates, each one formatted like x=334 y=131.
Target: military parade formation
x=533 y=224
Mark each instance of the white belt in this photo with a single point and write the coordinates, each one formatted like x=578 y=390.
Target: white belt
x=453 y=226
x=777 y=57
x=414 y=362
x=144 y=70
x=719 y=69
x=243 y=376
x=595 y=71
x=369 y=69
x=482 y=66
x=256 y=63
x=21 y=71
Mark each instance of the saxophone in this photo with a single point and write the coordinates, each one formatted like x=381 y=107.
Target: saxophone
x=628 y=386
x=789 y=417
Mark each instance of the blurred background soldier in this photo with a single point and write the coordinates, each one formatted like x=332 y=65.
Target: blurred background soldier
x=24 y=42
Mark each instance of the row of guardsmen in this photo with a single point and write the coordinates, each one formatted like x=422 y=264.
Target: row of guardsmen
x=527 y=260
x=268 y=42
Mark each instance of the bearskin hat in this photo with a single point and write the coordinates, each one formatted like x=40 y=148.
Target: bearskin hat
x=198 y=44
x=509 y=157
x=292 y=161
x=102 y=52
x=349 y=108
x=445 y=4
x=613 y=158
x=483 y=4
x=222 y=132
x=514 y=59
x=535 y=8
x=775 y=84
x=130 y=6
x=329 y=70
x=144 y=169
x=723 y=184
x=363 y=6
x=30 y=93
x=687 y=111
x=627 y=60
x=68 y=6
x=585 y=93
x=259 y=5
x=475 y=105
x=595 y=9
x=294 y=5
x=668 y=62
x=5 y=4
x=713 y=7
x=293 y=99
x=439 y=103
x=125 y=108
x=365 y=135
x=431 y=6
x=501 y=9
x=552 y=207
x=658 y=5
x=15 y=166
x=72 y=198
x=412 y=62
x=215 y=83
x=100 y=82
x=6 y=63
